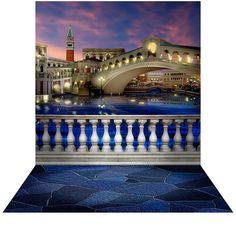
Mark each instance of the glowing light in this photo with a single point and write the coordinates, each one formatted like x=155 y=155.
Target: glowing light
x=119 y=64
x=188 y=59
x=67 y=86
x=57 y=100
x=175 y=95
x=134 y=59
x=141 y=103
x=67 y=102
x=81 y=81
x=112 y=66
x=152 y=47
x=127 y=61
x=45 y=98
x=186 y=99
x=132 y=100
x=58 y=73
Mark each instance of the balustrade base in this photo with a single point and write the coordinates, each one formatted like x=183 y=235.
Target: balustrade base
x=114 y=158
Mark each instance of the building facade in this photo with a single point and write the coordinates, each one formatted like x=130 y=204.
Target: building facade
x=100 y=67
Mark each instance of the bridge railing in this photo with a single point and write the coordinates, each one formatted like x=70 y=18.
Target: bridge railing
x=144 y=59
x=119 y=139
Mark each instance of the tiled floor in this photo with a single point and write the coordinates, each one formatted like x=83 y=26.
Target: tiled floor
x=118 y=189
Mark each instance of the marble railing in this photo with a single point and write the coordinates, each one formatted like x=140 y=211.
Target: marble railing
x=118 y=139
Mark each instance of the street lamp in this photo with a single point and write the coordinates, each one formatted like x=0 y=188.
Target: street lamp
x=101 y=79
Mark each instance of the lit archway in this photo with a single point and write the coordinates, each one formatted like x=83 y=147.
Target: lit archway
x=56 y=89
x=67 y=87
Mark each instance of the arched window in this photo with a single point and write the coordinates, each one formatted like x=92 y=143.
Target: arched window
x=196 y=58
x=186 y=58
x=175 y=57
x=110 y=65
x=108 y=56
x=166 y=55
x=131 y=58
x=101 y=57
x=117 y=62
x=41 y=68
x=87 y=57
x=123 y=60
x=139 y=55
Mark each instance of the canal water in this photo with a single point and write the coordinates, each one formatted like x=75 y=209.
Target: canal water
x=161 y=104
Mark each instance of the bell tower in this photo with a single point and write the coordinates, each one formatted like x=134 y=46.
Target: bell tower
x=70 y=45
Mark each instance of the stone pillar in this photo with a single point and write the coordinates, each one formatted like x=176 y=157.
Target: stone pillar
x=70 y=137
x=62 y=86
x=177 y=137
x=130 y=138
x=153 y=137
x=190 y=137
x=58 y=136
x=141 y=137
x=165 y=137
x=118 y=137
x=82 y=135
x=94 y=137
x=46 y=136
x=106 y=137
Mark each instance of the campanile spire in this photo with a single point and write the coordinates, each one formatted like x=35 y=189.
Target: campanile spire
x=70 y=45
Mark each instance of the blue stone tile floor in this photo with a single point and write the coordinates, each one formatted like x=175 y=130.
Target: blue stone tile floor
x=117 y=189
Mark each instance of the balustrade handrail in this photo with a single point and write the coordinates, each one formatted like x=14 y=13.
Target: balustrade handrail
x=106 y=117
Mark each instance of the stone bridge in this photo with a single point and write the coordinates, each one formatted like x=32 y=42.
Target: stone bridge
x=155 y=54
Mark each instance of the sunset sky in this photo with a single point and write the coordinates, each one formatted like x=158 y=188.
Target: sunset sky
x=115 y=24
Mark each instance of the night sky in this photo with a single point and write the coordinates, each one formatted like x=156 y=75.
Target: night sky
x=115 y=24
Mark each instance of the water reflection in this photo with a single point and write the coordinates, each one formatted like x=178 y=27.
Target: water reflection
x=166 y=103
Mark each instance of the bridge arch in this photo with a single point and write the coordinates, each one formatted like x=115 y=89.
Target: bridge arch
x=116 y=80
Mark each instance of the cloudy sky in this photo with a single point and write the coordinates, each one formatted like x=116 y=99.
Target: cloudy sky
x=115 y=24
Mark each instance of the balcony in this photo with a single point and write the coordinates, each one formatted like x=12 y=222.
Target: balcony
x=117 y=139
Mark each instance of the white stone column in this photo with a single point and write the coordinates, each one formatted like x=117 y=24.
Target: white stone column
x=153 y=137
x=94 y=137
x=130 y=138
x=106 y=137
x=70 y=137
x=165 y=136
x=177 y=137
x=82 y=137
x=62 y=86
x=58 y=146
x=45 y=137
x=141 y=137
x=190 y=137
x=118 y=137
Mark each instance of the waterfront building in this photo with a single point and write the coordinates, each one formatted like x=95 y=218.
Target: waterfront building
x=110 y=70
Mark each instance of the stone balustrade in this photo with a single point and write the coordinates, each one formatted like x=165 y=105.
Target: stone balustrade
x=117 y=139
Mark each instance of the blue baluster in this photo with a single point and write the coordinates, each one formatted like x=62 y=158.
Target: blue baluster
x=88 y=133
x=76 y=132
x=135 y=132
x=39 y=132
x=196 y=132
x=147 y=134
x=64 y=130
x=112 y=133
x=52 y=129
x=159 y=133
x=184 y=133
x=171 y=132
x=123 y=133
x=100 y=133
